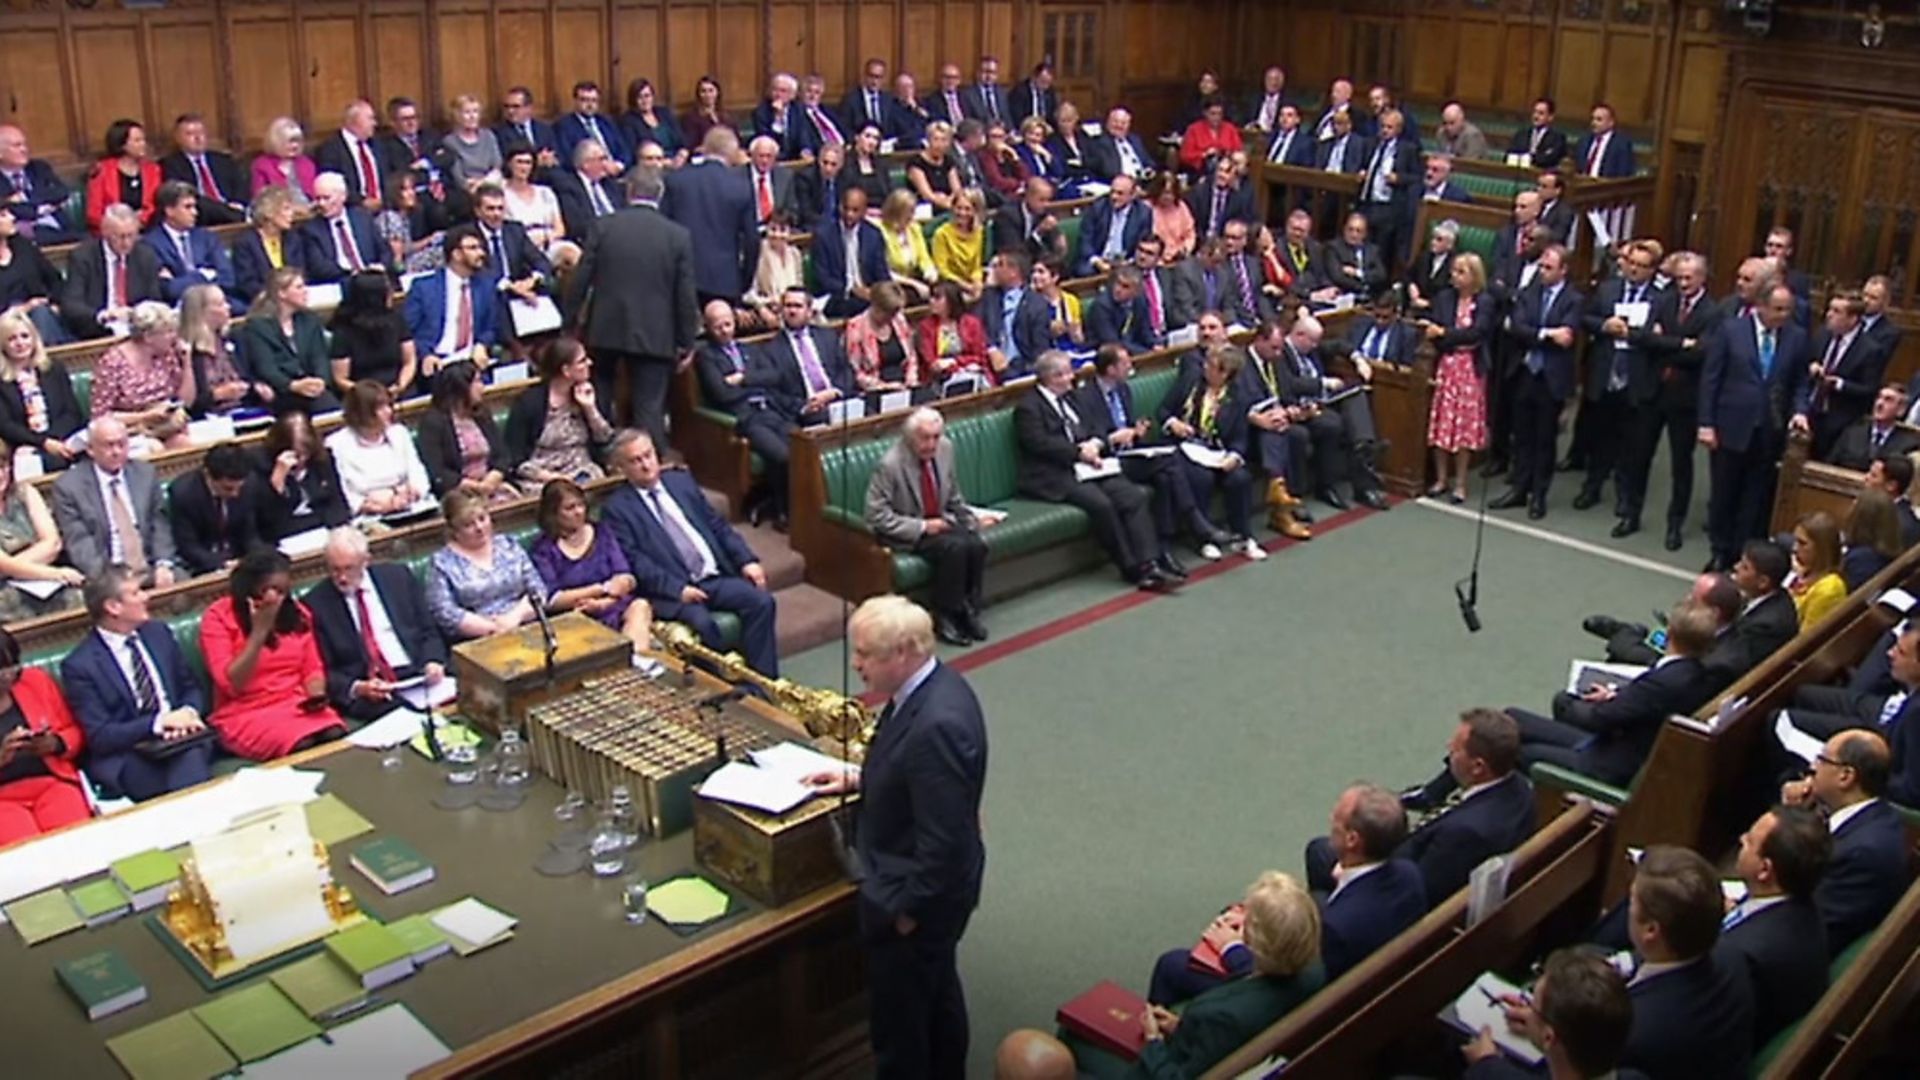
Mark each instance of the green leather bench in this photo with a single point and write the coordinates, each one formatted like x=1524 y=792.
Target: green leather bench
x=1475 y=238
x=1492 y=187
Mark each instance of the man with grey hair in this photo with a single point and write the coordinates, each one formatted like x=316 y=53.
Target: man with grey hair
x=1118 y=151
x=107 y=275
x=1684 y=320
x=776 y=117
x=1458 y=136
x=1753 y=392
x=914 y=503
x=1373 y=896
x=340 y=239
x=772 y=185
x=109 y=510
x=586 y=192
x=374 y=631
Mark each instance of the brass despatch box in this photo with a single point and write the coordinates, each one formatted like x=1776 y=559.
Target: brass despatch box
x=774 y=859
x=501 y=676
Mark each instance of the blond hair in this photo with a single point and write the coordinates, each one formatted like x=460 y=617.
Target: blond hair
x=12 y=323
x=894 y=624
x=1282 y=927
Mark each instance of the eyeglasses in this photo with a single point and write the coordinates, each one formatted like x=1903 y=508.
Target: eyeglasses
x=1822 y=759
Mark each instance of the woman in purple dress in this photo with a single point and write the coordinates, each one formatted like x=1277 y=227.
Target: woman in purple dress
x=584 y=568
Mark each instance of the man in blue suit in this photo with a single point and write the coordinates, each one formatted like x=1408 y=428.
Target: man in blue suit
x=1867 y=872
x=809 y=362
x=1118 y=315
x=455 y=314
x=1753 y=391
x=339 y=239
x=716 y=205
x=1111 y=228
x=1371 y=896
x=689 y=562
x=189 y=255
x=1485 y=809
x=518 y=125
x=1774 y=934
x=917 y=852
x=1016 y=318
x=129 y=685
x=1606 y=152
x=1692 y=1013
x=1545 y=318
x=849 y=256
x=585 y=122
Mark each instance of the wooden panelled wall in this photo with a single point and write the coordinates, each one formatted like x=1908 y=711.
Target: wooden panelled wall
x=65 y=73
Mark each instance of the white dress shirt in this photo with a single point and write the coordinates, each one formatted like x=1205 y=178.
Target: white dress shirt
x=1347 y=875
x=116 y=544
x=449 y=342
x=1845 y=814
x=383 y=632
x=117 y=648
x=661 y=502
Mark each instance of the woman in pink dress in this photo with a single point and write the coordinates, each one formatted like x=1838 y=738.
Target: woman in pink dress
x=270 y=690
x=1462 y=335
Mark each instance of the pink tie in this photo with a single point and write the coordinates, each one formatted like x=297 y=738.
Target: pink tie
x=346 y=243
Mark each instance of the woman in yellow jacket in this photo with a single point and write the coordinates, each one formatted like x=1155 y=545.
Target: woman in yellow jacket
x=960 y=245
x=1815 y=584
x=907 y=254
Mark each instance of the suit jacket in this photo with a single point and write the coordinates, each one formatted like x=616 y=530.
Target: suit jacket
x=1224 y=1018
x=321 y=255
x=64 y=415
x=1552 y=148
x=279 y=511
x=1615 y=161
x=1089 y=400
x=1450 y=843
x=228 y=177
x=973 y=100
x=1866 y=875
x=1048 y=448
x=905 y=123
x=1190 y=294
x=1771 y=624
x=1300 y=151
x=204 y=545
x=1626 y=725
x=809 y=132
x=337 y=629
x=1341 y=259
x=1305 y=267
x=333 y=155
x=1448 y=191
x=438 y=444
x=1782 y=950
x=1643 y=380
x=176 y=275
x=252 y=268
x=783 y=181
x=830 y=347
x=1107 y=321
x=854 y=113
x=650 y=552
x=1855 y=450
x=86 y=291
x=1011 y=233
x=46 y=197
x=789 y=140
x=1373 y=910
x=80 y=510
x=103 y=700
x=571 y=129
x=716 y=205
x=1559 y=216
x=638 y=268
x=895 y=507
x=426 y=311
x=1351 y=156
x=762 y=381
x=1020 y=103
x=1395 y=345
x=1883 y=332
x=811 y=197
x=1691 y=1021
x=576 y=205
x=1030 y=330
x=1239 y=206
x=832 y=275
x=1104 y=156
x=1680 y=366
x=917 y=831
x=1741 y=405
x=543 y=138
x=1530 y=316
x=1401 y=161
x=1861 y=367
x=1096 y=224
x=277 y=361
x=1183 y=402
x=937 y=107
x=524 y=257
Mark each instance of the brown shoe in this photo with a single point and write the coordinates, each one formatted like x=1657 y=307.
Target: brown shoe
x=1286 y=525
x=1278 y=497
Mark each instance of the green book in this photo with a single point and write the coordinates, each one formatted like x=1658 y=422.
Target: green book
x=332 y=821
x=319 y=986
x=373 y=953
x=392 y=864
x=177 y=1048
x=147 y=877
x=102 y=982
x=100 y=902
x=44 y=916
x=422 y=939
x=256 y=1021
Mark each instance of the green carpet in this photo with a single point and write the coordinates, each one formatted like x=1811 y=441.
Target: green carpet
x=1146 y=767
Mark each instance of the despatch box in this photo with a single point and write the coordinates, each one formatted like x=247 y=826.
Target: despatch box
x=774 y=858
x=503 y=675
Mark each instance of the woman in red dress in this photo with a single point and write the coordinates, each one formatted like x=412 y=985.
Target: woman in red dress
x=270 y=689
x=39 y=742
x=128 y=174
x=1462 y=333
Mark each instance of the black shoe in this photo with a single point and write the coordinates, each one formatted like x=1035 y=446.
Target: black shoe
x=1171 y=566
x=1624 y=528
x=969 y=621
x=1586 y=500
x=1714 y=566
x=1372 y=500
x=1537 y=508
x=1601 y=626
x=1674 y=538
x=949 y=631
x=757 y=511
x=1302 y=515
x=1508 y=499
x=1572 y=463
x=1495 y=467
x=1334 y=499
x=1152 y=580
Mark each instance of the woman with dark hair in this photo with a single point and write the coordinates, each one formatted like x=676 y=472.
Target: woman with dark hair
x=302 y=487
x=706 y=113
x=555 y=429
x=412 y=227
x=128 y=174
x=29 y=282
x=480 y=582
x=1172 y=220
x=269 y=684
x=39 y=745
x=1871 y=536
x=646 y=120
x=459 y=441
x=951 y=339
x=583 y=566
x=864 y=169
x=380 y=471
x=370 y=340
x=537 y=207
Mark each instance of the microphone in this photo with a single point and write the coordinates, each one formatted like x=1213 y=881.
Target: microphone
x=539 y=603
x=1467 y=591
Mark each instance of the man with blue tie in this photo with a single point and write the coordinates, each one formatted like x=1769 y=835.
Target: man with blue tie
x=1773 y=935
x=1112 y=228
x=585 y=123
x=688 y=561
x=1753 y=391
x=1545 y=318
x=739 y=381
x=867 y=103
x=1015 y=317
x=189 y=255
x=1622 y=385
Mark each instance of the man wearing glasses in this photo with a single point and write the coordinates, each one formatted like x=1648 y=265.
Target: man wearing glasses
x=1868 y=871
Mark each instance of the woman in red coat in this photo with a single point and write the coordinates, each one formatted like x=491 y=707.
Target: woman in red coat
x=39 y=742
x=128 y=174
x=951 y=339
x=270 y=688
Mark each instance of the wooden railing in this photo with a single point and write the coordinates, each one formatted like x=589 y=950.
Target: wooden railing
x=1867 y=1011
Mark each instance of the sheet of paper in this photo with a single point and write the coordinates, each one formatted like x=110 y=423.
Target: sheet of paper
x=390 y=730
x=257 y=1021
x=39 y=590
x=214 y=429
x=309 y=542
x=1108 y=466
x=539 y=315
x=1602 y=228
x=1184 y=338
x=1729 y=709
x=1899 y=600
x=323 y=296
x=987 y=515
x=794 y=761
x=1733 y=889
x=1473 y=1010
x=1634 y=314
x=424 y=698
x=474 y=922
x=1094 y=189
x=745 y=785
x=383 y=1045
x=1797 y=742
x=966 y=382
x=895 y=400
x=1582 y=675
x=517 y=371
x=687 y=900
x=1145 y=451
x=1205 y=456
x=846 y=410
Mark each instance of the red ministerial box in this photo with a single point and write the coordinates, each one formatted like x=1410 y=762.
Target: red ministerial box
x=1108 y=1016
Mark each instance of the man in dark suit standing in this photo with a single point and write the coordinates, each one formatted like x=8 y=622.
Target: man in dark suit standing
x=129 y=684
x=373 y=628
x=1556 y=212
x=635 y=285
x=108 y=275
x=213 y=175
x=1879 y=434
x=1753 y=391
x=1774 y=935
x=1118 y=315
x=986 y=99
x=914 y=503
x=519 y=125
x=33 y=190
x=716 y=206
x=917 y=850
x=1621 y=387
x=353 y=153
x=1867 y=873
x=1881 y=330
x=810 y=361
x=849 y=256
x=586 y=192
x=1606 y=152
x=688 y=561
x=1544 y=145
x=867 y=103
x=1847 y=371
x=1684 y=319
x=1545 y=318
x=214 y=510
x=1608 y=732
x=1034 y=96
x=1393 y=172
x=189 y=255
x=1371 y=895
x=741 y=382
x=1055 y=441
x=1111 y=228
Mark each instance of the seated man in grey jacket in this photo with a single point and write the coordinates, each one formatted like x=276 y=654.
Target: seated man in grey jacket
x=914 y=503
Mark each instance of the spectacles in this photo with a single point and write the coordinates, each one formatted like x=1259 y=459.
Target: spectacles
x=1822 y=759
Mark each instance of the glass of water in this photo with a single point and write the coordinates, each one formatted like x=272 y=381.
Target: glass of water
x=462 y=764
x=633 y=899
x=570 y=806
x=607 y=848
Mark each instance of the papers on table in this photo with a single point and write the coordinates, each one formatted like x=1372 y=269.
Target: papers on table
x=536 y=316
x=389 y=1043
x=264 y=876
x=1108 y=466
x=1478 y=1008
x=310 y=542
x=1797 y=742
x=1145 y=451
x=423 y=698
x=323 y=296
x=761 y=789
x=39 y=590
x=1207 y=457
x=895 y=400
x=518 y=371
x=396 y=727
x=1899 y=600
x=213 y=429
x=846 y=410
x=796 y=762
x=1184 y=338
x=965 y=382
x=1584 y=675
x=474 y=923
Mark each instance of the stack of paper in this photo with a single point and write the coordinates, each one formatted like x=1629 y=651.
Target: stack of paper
x=795 y=762
x=100 y=902
x=1479 y=1008
x=688 y=901
x=761 y=789
x=147 y=877
x=471 y=925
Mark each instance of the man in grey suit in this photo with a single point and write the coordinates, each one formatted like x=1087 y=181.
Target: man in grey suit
x=109 y=511
x=914 y=503
x=635 y=287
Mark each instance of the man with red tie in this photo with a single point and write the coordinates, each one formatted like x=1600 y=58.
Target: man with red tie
x=1606 y=153
x=1156 y=286
x=914 y=503
x=109 y=274
x=213 y=175
x=353 y=153
x=455 y=314
x=339 y=238
x=772 y=186
x=372 y=625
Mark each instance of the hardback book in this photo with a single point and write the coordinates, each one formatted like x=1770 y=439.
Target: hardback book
x=373 y=953
x=320 y=986
x=423 y=940
x=392 y=864
x=1108 y=1016
x=1208 y=959
x=102 y=982
x=147 y=877
x=100 y=902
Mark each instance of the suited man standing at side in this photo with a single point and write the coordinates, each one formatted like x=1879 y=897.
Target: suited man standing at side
x=1847 y=371
x=1545 y=319
x=110 y=510
x=372 y=624
x=1867 y=873
x=1621 y=387
x=716 y=206
x=1774 y=935
x=914 y=503
x=1753 y=391
x=1684 y=318
x=635 y=283
x=1393 y=173
x=916 y=839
